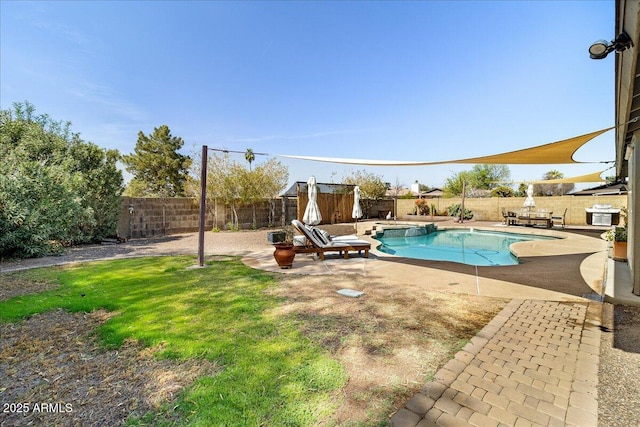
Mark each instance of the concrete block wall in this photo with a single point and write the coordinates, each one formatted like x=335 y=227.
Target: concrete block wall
x=490 y=209
x=164 y=216
x=159 y=216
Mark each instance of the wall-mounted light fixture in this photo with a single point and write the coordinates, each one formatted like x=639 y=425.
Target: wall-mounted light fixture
x=601 y=48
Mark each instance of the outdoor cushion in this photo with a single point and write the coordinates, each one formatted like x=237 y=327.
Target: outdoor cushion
x=320 y=236
x=317 y=245
x=325 y=235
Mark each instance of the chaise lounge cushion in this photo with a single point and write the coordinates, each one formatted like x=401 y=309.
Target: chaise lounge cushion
x=327 y=239
x=316 y=242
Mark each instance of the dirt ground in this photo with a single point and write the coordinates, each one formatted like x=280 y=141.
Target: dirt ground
x=390 y=341
x=53 y=372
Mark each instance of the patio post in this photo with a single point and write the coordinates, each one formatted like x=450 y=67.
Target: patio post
x=203 y=205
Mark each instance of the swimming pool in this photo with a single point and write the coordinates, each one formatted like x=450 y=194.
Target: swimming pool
x=466 y=246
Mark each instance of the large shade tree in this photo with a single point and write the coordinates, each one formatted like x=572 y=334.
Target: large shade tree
x=158 y=169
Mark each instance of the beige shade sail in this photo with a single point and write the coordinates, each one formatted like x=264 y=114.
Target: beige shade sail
x=590 y=177
x=547 y=154
x=553 y=153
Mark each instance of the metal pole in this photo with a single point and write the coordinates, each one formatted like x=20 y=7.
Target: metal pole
x=462 y=203
x=203 y=205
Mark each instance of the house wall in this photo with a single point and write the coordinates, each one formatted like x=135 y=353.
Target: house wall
x=633 y=255
x=490 y=209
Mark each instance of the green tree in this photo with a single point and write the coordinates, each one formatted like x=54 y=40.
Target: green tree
x=102 y=183
x=270 y=178
x=454 y=185
x=424 y=187
x=522 y=190
x=502 y=191
x=479 y=181
x=488 y=177
x=558 y=189
x=158 y=169
x=231 y=183
x=372 y=188
x=55 y=188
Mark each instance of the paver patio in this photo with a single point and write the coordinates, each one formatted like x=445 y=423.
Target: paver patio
x=536 y=363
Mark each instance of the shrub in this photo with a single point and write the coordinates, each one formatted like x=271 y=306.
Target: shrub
x=55 y=189
x=454 y=211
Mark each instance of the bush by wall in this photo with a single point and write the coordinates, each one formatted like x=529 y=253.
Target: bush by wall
x=55 y=188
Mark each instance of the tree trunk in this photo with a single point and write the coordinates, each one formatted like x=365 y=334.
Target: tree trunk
x=253 y=211
x=234 y=216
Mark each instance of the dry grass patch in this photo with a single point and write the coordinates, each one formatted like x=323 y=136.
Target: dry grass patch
x=25 y=286
x=391 y=341
x=53 y=358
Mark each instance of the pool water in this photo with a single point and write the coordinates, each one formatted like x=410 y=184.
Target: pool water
x=466 y=246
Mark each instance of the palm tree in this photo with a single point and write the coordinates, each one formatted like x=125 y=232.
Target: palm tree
x=249 y=156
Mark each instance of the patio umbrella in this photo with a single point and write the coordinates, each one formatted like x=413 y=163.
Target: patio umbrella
x=357 y=211
x=529 y=203
x=312 y=214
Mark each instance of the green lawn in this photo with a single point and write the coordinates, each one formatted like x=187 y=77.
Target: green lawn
x=271 y=375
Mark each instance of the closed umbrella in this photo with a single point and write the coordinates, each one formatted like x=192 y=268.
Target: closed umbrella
x=529 y=202
x=312 y=214
x=357 y=211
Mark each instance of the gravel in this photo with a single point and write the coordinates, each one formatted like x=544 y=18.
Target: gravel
x=619 y=369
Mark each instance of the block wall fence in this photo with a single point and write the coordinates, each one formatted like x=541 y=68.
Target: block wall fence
x=490 y=209
x=164 y=216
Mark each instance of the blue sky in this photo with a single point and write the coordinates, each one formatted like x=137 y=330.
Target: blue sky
x=432 y=80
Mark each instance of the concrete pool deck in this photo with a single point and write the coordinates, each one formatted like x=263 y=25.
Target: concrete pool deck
x=549 y=269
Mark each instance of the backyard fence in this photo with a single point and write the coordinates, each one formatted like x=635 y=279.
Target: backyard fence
x=490 y=208
x=147 y=217
x=334 y=208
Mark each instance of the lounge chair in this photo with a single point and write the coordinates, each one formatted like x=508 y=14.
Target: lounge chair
x=316 y=241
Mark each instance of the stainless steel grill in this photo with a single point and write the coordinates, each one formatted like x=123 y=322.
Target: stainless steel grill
x=602 y=215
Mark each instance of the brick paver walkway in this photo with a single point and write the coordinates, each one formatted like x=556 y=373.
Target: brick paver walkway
x=535 y=364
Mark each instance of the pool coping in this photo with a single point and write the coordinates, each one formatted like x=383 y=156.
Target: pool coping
x=565 y=242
